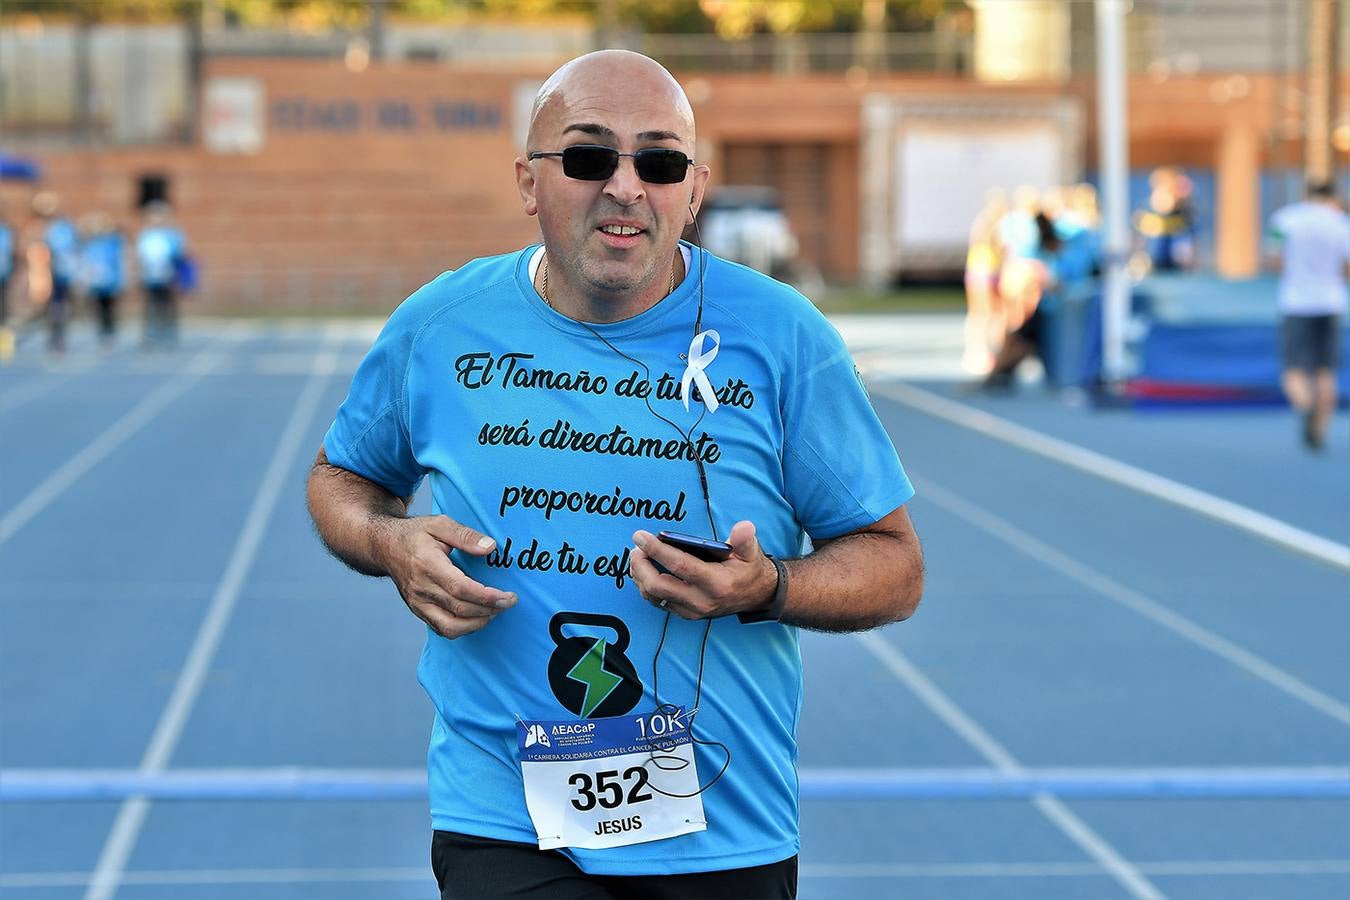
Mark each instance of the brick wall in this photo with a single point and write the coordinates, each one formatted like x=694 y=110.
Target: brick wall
x=368 y=185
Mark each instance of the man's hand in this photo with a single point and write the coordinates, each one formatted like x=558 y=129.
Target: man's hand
x=367 y=527
x=695 y=589
x=435 y=589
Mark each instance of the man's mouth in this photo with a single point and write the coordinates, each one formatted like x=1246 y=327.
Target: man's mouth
x=623 y=230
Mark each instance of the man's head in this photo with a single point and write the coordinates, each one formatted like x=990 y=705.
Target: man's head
x=1027 y=199
x=46 y=205
x=157 y=212
x=627 y=102
x=95 y=223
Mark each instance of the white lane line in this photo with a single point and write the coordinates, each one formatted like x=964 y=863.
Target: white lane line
x=35 y=388
x=53 y=375
x=1233 y=514
x=26 y=785
x=1078 y=831
x=1193 y=868
x=104 y=587
x=114 y=436
x=226 y=876
x=1133 y=600
x=392 y=874
x=131 y=815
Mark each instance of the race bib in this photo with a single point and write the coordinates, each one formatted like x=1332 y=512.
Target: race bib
x=597 y=783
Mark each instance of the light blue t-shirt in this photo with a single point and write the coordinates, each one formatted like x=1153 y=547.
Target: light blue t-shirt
x=101 y=263
x=1019 y=235
x=157 y=250
x=534 y=432
x=64 y=243
x=6 y=251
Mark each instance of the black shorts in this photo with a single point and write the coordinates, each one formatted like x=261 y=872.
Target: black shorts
x=475 y=867
x=1310 y=342
x=1033 y=328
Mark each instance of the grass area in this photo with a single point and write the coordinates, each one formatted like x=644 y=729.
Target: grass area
x=938 y=298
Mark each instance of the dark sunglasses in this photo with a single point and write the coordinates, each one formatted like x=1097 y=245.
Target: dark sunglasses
x=593 y=162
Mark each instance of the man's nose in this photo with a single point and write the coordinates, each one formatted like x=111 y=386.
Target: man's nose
x=624 y=186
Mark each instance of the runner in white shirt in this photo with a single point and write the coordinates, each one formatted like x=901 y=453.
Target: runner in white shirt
x=1312 y=240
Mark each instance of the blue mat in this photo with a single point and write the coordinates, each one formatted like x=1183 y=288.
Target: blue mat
x=1191 y=331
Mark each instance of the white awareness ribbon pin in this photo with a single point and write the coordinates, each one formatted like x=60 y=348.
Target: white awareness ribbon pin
x=698 y=361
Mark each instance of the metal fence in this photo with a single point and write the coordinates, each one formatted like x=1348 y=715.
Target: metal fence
x=929 y=52
x=130 y=84
x=117 y=84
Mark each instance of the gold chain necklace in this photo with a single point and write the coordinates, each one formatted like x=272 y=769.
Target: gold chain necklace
x=543 y=283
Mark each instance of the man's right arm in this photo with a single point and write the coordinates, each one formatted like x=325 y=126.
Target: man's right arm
x=369 y=529
x=1274 y=244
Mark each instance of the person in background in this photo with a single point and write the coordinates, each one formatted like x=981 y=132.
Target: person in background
x=9 y=257
x=984 y=312
x=56 y=253
x=1078 y=227
x=1168 y=225
x=160 y=248
x=1311 y=247
x=1019 y=239
x=1027 y=339
x=1054 y=202
x=102 y=271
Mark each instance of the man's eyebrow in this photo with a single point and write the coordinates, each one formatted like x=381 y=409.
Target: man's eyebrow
x=592 y=129
x=602 y=131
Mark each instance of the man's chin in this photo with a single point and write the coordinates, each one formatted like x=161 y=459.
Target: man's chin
x=609 y=281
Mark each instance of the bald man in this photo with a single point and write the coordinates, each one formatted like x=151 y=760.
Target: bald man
x=616 y=712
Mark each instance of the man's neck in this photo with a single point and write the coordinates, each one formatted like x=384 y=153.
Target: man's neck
x=602 y=307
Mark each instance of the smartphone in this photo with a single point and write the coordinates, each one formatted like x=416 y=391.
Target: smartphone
x=705 y=549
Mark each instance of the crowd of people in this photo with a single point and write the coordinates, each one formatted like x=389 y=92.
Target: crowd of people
x=1021 y=250
x=52 y=263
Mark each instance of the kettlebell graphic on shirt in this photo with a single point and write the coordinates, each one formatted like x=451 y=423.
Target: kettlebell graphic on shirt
x=589 y=673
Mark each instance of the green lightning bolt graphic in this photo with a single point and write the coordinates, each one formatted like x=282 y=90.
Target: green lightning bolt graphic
x=590 y=671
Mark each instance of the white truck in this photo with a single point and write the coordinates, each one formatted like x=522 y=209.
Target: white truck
x=929 y=162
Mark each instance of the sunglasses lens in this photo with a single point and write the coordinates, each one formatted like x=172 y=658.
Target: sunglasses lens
x=656 y=165
x=589 y=163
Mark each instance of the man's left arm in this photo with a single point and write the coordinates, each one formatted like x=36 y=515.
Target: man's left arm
x=853 y=582
x=1274 y=251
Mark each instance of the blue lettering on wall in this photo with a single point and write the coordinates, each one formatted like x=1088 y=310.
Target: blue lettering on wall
x=302 y=114
x=288 y=113
x=457 y=115
x=395 y=115
x=346 y=116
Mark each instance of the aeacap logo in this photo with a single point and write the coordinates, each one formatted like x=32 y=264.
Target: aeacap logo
x=537 y=735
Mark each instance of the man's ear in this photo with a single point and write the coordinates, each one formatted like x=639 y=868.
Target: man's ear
x=526 y=185
x=701 y=175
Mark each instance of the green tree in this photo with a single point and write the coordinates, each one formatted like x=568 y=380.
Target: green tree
x=729 y=18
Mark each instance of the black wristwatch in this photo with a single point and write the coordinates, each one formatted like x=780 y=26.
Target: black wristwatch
x=774 y=611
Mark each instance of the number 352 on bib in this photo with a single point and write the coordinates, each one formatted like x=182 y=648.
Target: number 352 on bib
x=598 y=783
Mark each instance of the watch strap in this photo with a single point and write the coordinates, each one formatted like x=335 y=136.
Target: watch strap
x=774 y=611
